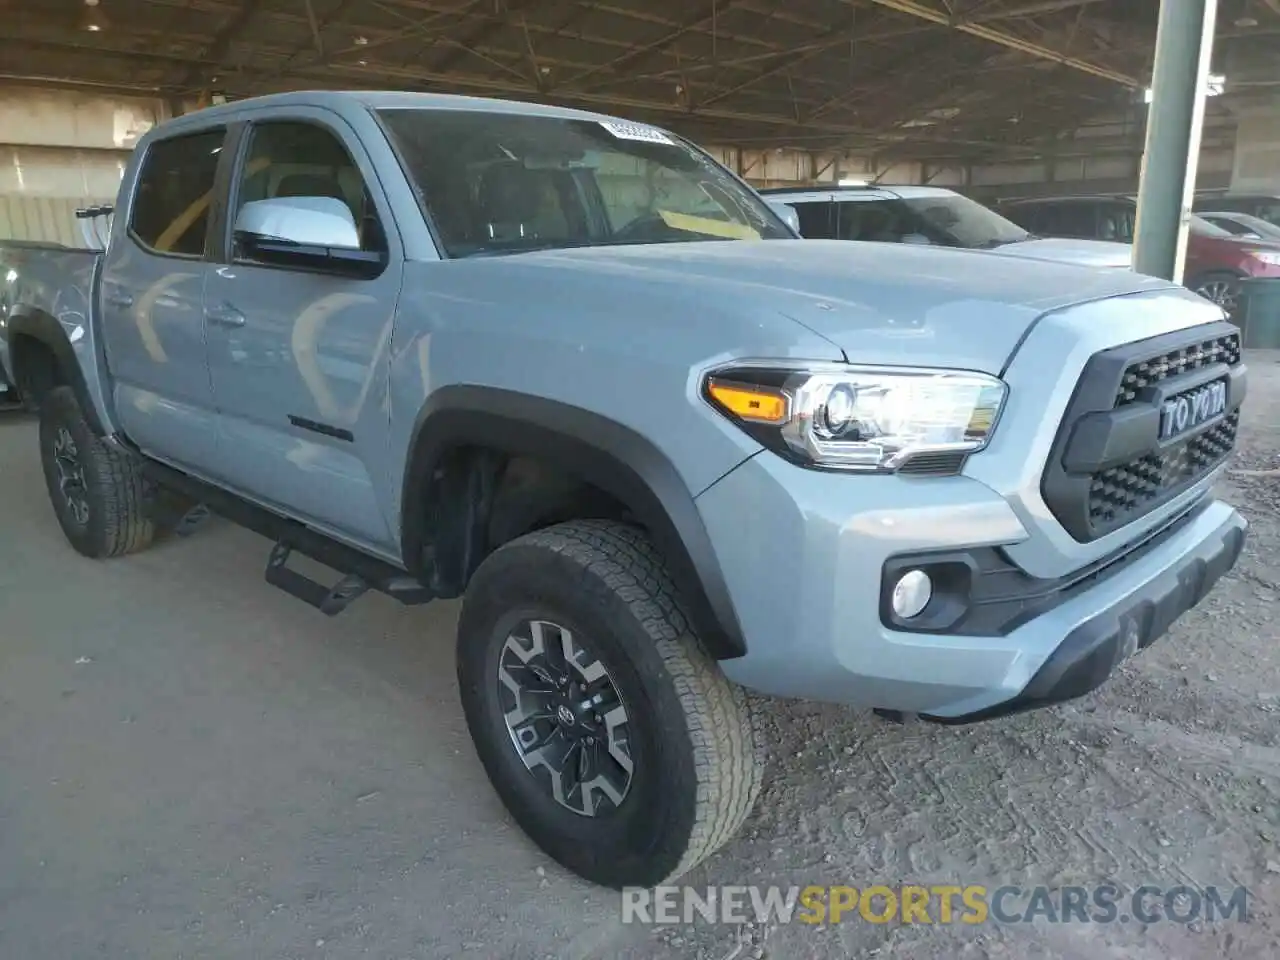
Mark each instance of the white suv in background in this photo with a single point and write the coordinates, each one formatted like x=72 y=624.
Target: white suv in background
x=929 y=215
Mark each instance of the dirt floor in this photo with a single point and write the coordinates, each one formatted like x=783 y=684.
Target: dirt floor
x=194 y=765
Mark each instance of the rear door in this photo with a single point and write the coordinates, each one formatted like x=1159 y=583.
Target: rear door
x=298 y=356
x=151 y=300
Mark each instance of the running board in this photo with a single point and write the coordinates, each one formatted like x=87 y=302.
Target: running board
x=330 y=601
x=360 y=572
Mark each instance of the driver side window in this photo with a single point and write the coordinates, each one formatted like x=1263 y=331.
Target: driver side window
x=297 y=159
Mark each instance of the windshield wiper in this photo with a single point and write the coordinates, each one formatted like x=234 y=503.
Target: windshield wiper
x=529 y=248
x=997 y=242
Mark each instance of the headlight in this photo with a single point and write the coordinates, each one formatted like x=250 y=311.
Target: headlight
x=1270 y=257
x=877 y=419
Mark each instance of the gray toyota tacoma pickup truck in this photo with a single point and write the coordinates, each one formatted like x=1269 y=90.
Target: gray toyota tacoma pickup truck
x=571 y=370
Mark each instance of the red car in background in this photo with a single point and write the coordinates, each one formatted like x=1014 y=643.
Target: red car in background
x=1216 y=261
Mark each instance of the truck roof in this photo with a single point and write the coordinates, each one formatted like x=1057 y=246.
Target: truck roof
x=1070 y=198
x=340 y=100
x=877 y=190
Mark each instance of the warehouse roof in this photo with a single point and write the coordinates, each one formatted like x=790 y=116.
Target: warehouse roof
x=974 y=77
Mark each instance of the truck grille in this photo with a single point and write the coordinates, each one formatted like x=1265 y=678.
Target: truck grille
x=1109 y=465
x=1138 y=376
x=1120 y=494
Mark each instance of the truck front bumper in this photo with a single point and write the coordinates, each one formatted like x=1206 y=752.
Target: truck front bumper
x=807 y=572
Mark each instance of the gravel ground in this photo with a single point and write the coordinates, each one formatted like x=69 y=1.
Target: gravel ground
x=194 y=765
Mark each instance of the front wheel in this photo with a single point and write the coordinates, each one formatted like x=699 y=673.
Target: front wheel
x=1220 y=288
x=608 y=731
x=98 y=493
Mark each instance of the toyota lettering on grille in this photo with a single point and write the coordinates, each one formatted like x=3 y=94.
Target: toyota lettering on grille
x=1189 y=410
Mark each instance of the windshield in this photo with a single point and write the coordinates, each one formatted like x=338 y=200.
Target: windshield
x=1244 y=225
x=965 y=222
x=1203 y=228
x=1233 y=227
x=498 y=183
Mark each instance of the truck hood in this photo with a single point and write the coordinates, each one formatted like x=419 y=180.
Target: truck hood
x=1083 y=253
x=878 y=303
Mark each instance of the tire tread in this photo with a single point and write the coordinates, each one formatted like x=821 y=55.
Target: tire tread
x=728 y=750
x=124 y=493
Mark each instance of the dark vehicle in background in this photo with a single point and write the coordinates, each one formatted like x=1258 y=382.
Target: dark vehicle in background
x=1264 y=206
x=928 y=215
x=1244 y=226
x=1216 y=261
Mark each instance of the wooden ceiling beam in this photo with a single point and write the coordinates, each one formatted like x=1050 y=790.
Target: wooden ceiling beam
x=923 y=11
x=704 y=16
x=1025 y=10
x=221 y=43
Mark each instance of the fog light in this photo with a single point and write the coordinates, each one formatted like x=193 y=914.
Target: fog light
x=911 y=594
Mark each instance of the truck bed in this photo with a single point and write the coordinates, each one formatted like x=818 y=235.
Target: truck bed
x=47 y=282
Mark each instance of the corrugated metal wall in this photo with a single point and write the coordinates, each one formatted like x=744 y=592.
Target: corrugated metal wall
x=60 y=150
x=51 y=219
x=1257 y=156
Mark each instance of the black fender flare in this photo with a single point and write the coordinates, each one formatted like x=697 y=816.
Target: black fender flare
x=603 y=453
x=40 y=326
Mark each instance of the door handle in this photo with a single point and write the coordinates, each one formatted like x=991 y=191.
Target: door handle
x=119 y=299
x=226 y=316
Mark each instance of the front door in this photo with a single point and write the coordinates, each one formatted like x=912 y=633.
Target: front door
x=152 y=296
x=299 y=357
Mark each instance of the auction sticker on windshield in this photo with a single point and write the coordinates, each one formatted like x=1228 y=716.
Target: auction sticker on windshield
x=634 y=131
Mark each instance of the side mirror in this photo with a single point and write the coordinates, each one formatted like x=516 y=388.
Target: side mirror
x=788 y=214
x=317 y=233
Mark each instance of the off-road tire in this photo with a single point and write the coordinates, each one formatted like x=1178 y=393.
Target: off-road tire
x=698 y=761
x=116 y=492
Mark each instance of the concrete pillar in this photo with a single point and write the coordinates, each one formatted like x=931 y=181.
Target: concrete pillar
x=1184 y=43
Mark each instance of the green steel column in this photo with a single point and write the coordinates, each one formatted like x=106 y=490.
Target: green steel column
x=1184 y=44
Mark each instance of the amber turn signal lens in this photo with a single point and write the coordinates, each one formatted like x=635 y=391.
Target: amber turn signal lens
x=758 y=404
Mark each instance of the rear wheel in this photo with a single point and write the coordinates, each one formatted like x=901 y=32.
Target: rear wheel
x=608 y=731
x=98 y=493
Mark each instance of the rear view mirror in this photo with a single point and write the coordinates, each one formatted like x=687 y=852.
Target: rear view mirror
x=315 y=232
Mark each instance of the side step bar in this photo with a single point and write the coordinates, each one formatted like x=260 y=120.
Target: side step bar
x=330 y=601
x=361 y=572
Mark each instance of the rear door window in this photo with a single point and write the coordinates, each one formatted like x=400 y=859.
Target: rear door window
x=1078 y=220
x=1029 y=216
x=817 y=219
x=171 y=205
x=879 y=221
x=1115 y=222
x=1068 y=220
